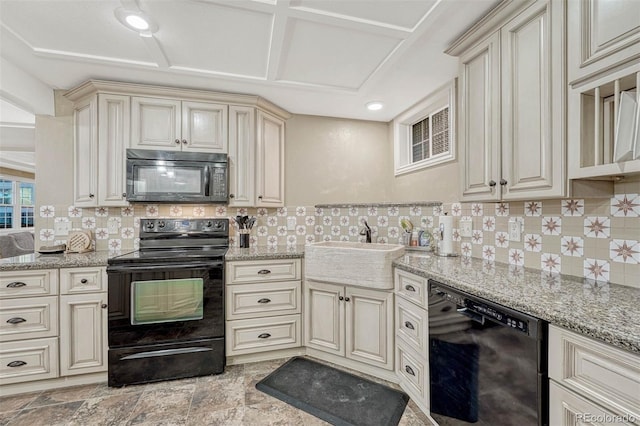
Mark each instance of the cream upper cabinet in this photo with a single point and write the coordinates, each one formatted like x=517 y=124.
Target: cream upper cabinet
x=242 y=142
x=351 y=322
x=270 y=160
x=101 y=137
x=175 y=125
x=512 y=97
x=602 y=34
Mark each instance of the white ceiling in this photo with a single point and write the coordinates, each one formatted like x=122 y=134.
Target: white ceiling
x=320 y=57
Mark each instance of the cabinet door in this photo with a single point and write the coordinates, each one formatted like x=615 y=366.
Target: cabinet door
x=85 y=153
x=369 y=326
x=569 y=409
x=155 y=124
x=242 y=139
x=204 y=127
x=602 y=34
x=324 y=317
x=533 y=103
x=113 y=140
x=270 y=161
x=479 y=122
x=83 y=333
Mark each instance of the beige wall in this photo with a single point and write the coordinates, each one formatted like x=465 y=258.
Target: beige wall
x=335 y=160
x=54 y=155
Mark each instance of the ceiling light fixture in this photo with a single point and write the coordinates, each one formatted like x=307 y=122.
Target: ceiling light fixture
x=374 y=105
x=137 y=21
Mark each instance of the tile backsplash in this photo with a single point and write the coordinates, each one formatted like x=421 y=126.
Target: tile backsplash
x=594 y=238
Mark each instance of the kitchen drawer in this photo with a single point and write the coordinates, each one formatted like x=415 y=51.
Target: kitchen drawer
x=28 y=318
x=412 y=326
x=28 y=360
x=257 y=271
x=83 y=280
x=264 y=299
x=413 y=374
x=568 y=408
x=263 y=334
x=602 y=373
x=411 y=287
x=41 y=282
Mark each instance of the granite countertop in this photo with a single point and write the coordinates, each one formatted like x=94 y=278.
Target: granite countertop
x=607 y=312
x=262 y=252
x=62 y=260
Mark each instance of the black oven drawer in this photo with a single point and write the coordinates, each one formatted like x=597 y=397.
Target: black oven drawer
x=152 y=363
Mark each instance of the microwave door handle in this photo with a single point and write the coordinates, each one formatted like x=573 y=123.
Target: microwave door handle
x=207 y=180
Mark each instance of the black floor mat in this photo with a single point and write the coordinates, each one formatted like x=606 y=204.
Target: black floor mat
x=334 y=396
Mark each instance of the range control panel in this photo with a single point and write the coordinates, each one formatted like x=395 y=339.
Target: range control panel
x=497 y=315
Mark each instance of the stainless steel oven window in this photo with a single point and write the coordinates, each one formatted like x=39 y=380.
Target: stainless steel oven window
x=172 y=300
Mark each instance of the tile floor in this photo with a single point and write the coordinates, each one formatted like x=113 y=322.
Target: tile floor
x=227 y=399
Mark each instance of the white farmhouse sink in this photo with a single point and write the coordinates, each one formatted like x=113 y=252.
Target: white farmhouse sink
x=351 y=263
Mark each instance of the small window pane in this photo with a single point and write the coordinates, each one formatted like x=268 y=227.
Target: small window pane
x=417 y=153
x=6 y=191
x=26 y=216
x=420 y=143
x=6 y=213
x=27 y=194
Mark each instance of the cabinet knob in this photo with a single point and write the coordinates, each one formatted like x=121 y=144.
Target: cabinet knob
x=84 y=281
x=346 y=299
x=124 y=195
x=410 y=288
x=91 y=195
x=265 y=300
x=184 y=141
x=264 y=336
x=409 y=370
x=492 y=183
x=231 y=196
x=409 y=325
x=104 y=306
x=503 y=182
x=340 y=298
x=177 y=141
x=259 y=197
x=264 y=272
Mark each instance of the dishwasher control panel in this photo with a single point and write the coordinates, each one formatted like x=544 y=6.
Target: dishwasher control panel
x=497 y=315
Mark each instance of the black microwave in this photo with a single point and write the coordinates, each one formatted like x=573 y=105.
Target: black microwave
x=176 y=177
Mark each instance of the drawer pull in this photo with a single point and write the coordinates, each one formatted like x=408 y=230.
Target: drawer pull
x=410 y=288
x=16 y=364
x=16 y=284
x=264 y=336
x=265 y=300
x=84 y=281
x=16 y=320
x=264 y=272
x=409 y=370
x=409 y=325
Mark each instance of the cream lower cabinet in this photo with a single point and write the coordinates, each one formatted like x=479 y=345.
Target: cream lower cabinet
x=351 y=322
x=591 y=382
x=512 y=108
x=83 y=321
x=412 y=336
x=28 y=325
x=263 y=303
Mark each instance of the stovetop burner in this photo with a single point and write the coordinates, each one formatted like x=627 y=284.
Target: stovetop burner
x=178 y=240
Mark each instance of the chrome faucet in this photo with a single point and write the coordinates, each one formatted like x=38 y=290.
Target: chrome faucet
x=366 y=231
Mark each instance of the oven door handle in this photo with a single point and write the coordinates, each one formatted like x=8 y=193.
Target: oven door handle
x=170 y=266
x=469 y=313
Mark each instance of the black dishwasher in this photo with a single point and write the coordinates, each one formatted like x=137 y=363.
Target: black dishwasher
x=487 y=363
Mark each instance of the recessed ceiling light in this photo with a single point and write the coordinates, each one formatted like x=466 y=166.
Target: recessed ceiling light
x=137 y=21
x=374 y=105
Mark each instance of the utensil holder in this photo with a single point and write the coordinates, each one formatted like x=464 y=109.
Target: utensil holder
x=244 y=239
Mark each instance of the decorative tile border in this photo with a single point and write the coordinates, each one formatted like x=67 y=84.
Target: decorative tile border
x=580 y=237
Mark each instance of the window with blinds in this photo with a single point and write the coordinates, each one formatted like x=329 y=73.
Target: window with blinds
x=430 y=136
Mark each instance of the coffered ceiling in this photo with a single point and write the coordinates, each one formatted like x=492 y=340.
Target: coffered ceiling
x=321 y=57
